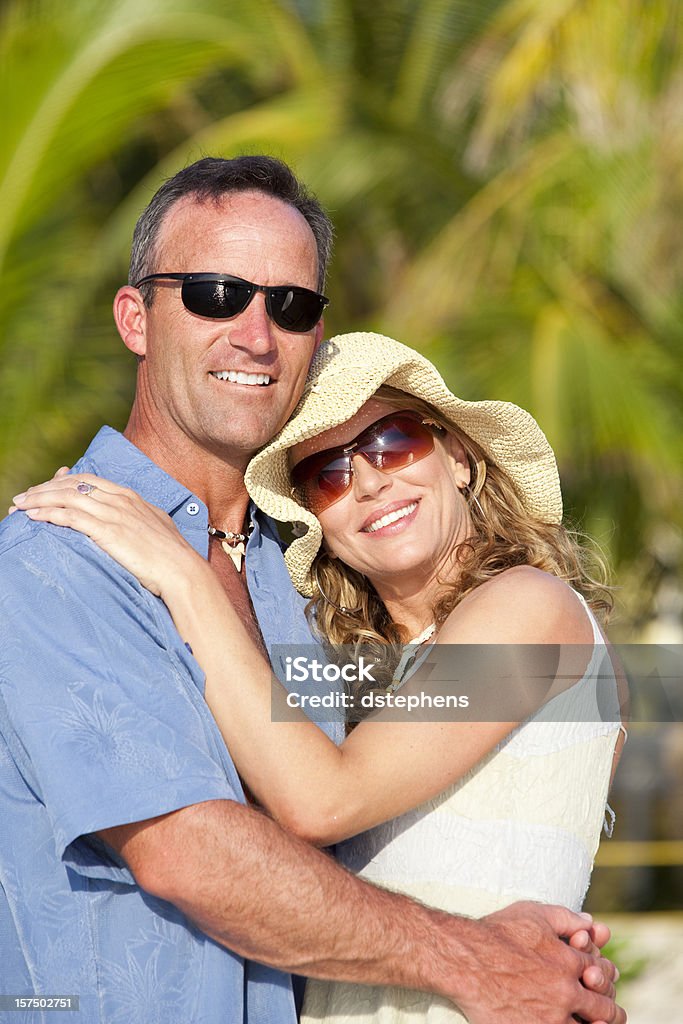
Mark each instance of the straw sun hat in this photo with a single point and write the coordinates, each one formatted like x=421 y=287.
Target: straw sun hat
x=347 y=370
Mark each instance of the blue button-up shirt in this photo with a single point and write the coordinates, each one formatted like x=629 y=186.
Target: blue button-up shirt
x=103 y=722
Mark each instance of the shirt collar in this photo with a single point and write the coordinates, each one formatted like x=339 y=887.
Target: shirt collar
x=113 y=456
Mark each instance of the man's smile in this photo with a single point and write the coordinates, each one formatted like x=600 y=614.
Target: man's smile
x=240 y=377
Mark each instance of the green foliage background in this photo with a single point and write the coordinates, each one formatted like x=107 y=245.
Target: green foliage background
x=505 y=176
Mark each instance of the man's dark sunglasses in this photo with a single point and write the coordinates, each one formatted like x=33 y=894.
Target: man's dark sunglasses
x=391 y=443
x=222 y=296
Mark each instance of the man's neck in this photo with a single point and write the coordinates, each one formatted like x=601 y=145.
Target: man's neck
x=216 y=478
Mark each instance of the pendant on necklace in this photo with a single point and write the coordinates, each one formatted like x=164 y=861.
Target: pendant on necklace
x=232 y=543
x=236 y=552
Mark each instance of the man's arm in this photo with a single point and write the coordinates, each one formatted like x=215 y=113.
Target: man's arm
x=269 y=896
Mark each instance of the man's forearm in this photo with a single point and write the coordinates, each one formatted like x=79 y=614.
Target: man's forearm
x=269 y=896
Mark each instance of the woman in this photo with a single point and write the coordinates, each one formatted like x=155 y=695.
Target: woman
x=441 y=526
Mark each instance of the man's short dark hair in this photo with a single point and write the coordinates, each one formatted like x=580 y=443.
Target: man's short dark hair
x=213 y=178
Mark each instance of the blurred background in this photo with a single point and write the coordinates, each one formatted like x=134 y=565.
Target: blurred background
x=506 y=181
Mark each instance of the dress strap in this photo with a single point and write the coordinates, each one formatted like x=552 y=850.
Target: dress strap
x=598 y=638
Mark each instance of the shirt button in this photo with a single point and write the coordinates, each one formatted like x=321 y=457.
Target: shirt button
x=192 y=509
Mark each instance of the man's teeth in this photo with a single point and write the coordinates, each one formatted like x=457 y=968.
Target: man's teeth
x=391 y=517
x=238 y=377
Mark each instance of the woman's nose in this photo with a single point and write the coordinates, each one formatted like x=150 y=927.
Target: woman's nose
x=368 y=481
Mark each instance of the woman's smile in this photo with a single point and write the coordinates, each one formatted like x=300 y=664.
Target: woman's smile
x=392 y=518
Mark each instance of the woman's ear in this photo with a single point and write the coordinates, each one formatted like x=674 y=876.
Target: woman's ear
x=459 y=460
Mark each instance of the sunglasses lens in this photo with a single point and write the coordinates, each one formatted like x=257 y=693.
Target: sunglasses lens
x=322 y=480
x=216 y=299
x=400 y=441
x=390 y=444
x=295 y=309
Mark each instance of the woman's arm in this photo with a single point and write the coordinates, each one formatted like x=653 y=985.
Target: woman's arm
x=322 y=792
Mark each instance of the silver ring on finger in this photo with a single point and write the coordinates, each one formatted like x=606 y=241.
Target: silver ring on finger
x=84 y=488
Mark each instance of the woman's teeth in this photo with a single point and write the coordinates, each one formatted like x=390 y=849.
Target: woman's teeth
x=391 y=517
x=238 y=377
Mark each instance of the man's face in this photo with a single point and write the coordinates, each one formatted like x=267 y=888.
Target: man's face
x=263 y=240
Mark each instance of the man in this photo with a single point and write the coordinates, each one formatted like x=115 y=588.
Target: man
x=133 y=872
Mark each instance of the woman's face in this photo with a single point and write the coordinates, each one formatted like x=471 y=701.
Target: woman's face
x=400 y=528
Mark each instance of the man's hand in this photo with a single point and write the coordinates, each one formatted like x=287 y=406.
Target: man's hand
x=529 y=976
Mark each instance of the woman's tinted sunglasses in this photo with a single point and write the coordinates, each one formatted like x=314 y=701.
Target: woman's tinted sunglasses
x=222 y=296
x=390 y=444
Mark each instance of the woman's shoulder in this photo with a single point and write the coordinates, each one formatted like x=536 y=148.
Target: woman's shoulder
x=522 y=604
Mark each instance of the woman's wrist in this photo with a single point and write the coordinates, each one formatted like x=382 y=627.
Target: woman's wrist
x=184 y=570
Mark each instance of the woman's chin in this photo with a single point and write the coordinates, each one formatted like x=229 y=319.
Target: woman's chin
x=405 y=574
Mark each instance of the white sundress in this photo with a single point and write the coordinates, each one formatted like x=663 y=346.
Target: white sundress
x=524 y=823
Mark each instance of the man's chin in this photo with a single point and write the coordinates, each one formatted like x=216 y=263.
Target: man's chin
x=241 y=444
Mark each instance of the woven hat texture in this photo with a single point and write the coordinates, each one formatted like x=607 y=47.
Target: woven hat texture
x=346 y=371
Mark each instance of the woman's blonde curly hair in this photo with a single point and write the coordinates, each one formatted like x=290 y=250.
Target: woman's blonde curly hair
x=505 y=535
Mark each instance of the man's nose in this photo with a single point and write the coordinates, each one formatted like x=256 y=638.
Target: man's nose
x=252 y=330
x=368 y=481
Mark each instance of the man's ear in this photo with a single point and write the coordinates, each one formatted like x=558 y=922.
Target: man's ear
x=130 y=315
x=319 y=335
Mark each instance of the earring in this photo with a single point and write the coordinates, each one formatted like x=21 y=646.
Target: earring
x=471 y=497
x=338 y=607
